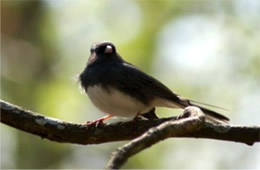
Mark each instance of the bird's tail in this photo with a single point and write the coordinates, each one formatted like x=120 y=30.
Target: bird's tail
x=212 y=115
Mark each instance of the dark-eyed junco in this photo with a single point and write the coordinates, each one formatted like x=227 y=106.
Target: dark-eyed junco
x=119 y=88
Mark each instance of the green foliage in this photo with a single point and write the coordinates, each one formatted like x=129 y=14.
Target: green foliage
x=45 y=44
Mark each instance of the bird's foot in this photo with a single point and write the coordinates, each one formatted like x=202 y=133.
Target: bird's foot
x=99 y=121
x=134 y=122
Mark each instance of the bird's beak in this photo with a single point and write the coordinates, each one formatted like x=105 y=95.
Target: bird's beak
x=108 y=49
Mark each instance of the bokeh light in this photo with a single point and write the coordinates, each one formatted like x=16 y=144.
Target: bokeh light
x=203 y=50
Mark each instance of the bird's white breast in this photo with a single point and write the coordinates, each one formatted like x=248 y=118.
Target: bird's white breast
x=115 y=102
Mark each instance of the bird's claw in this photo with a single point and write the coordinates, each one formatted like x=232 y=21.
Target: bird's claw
x=95 y=123
x=98 y=122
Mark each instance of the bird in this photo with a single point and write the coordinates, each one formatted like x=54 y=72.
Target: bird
x=120 y=89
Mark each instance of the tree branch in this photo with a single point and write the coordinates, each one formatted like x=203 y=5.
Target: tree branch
x=65 y=132
x=171 y=128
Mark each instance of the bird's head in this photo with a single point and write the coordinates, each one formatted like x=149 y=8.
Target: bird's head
x=103 y=52
x=104 y=48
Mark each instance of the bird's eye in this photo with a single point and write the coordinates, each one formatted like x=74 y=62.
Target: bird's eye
x=108 y=49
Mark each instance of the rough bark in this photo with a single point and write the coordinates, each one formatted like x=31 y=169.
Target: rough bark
x=66 y=132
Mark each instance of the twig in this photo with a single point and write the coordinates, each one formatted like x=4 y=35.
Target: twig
x=171 y=128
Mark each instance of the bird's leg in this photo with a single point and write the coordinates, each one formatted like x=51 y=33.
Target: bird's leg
x=150 y=115
x=136 y=117
x=99 y=121
x=134 y=121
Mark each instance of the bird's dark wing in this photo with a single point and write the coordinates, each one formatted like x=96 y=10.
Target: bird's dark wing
x=135 y=82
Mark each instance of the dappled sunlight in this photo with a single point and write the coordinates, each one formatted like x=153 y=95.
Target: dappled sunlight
x=203 y=50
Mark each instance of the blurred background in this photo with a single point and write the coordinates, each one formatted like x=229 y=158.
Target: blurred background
x=205 y=50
